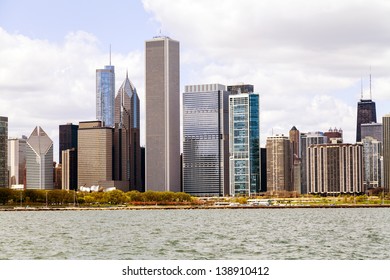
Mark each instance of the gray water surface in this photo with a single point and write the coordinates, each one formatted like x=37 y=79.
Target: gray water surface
x=268 y=234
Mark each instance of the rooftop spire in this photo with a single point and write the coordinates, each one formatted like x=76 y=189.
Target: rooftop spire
x=370 y=85
x=110 y=54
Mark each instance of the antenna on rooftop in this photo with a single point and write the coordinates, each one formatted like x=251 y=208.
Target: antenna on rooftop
x=110 y=54
x=361 y=87
x=370 y=85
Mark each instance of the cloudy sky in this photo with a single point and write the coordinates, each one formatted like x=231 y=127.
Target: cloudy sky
x=306 y=58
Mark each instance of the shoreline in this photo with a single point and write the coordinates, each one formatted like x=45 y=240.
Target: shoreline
x=191 y=207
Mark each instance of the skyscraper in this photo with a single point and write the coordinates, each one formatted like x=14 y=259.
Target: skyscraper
x=374 y=130
x=105 y=93
x=372 y=151
x=205 y=140
x=366 y=113
x=335 y=168
x=68 y=138
x=162 y=88
x=127 y=150
x=68 y=148
x=94 y=153
x=3 y=152
x=39 y=161
x=244 y=143
x=386 y=152
x=17 y=160
x=279 y=164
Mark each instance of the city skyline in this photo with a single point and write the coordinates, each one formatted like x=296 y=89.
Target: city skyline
x=316 y=72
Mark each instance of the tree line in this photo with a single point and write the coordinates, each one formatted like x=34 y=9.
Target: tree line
x=115 y=197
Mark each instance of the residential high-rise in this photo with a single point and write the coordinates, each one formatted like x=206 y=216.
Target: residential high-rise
x=335 y=168
x=105 y=93
x=241 y=88
x=3 y=152
x=372 y=151
x=206 y=140
x=17 y=160
x=244 y=143
x=95 y=145
x=308 y=139
x=374 y=130
x=127 y=150
x=279 y=164
x=334 y=135
x=294 y=136
x=39 y=161
x=366 y=113
x=162 y=86
x=386 y=152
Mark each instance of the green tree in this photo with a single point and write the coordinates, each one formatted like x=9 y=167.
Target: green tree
x=6 y=195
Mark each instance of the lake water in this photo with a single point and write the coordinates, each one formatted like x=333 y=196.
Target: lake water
x=268 y=234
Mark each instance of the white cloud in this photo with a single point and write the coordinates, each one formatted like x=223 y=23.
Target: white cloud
x=47 y=84
x=306 y=58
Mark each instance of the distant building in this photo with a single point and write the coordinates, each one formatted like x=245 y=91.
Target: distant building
x=294 y=136
x=127 y=150
x=242 y=88
x=335 y=168
x=279 y=164
x=57 y=176
x=69 y=169
x=17 y=160
x=39 y=161
x=372 y=151
x=95 y=145
x=105 y=93
x=263 y=169
x=366 y=113
x=334 y=135
x=68 y=145
x=308 y=139
x=206 y=140
x=3 y=152
x=374 y=130
x=386 y=152
x=162 y=94
x=244 y=143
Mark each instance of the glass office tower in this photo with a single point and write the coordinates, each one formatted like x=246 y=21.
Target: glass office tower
x=244 y=138
x=105 y=94
x=205 y=140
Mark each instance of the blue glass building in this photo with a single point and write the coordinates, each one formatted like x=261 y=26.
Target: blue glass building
x=105 y=94
x=244 y=139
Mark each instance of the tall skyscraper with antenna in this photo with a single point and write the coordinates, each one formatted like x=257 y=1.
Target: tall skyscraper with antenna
x=105 y=94
x=366 y=113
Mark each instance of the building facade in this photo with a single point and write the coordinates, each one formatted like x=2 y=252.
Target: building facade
x=162 y=90
x=39 y=161
x=3 y=152
x=95 y=146
x=374 y=130
x=17 y=160
x=372 y=153
x=68 y=147
x=206 y=140
x=279 y=164
x=308 y=139
x=105 y=94
x=366 y=113
x=386 y=152
x=335 y=168
x=244 y=143
x=127 y=149
x=334 y=135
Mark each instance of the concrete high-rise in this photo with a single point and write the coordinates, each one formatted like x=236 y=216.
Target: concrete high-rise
x=95 y=145
x=162 y=90
x=39 y=161
x=386 y=152
x=127 y=150
x=105 y=94
x=206 y=140
x=244 y=143
x=366 y=113
x=374 y=130
x=17 y=160
x=372 y=152
x=335 y=168
x=279 y=164
x=3 y=152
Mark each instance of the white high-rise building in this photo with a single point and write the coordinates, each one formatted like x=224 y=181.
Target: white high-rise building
x=16 y=160
x=39 y=161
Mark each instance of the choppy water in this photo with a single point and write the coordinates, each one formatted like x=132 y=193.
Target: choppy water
x=197 y=234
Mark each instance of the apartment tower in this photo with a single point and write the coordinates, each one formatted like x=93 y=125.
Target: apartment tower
x=162 y=90
x=386 y=152
x=17 y=160
x=3 y=152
